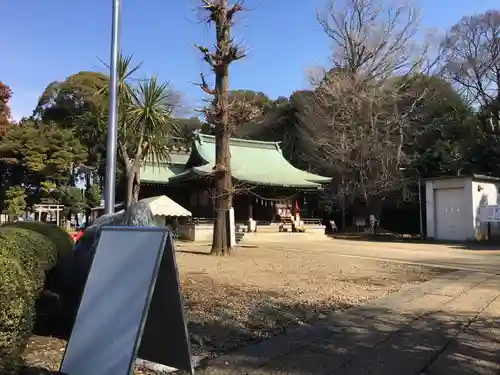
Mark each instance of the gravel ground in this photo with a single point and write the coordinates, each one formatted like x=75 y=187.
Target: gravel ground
x=256 y=293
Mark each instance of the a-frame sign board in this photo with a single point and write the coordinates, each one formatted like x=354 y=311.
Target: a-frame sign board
x=131 y=306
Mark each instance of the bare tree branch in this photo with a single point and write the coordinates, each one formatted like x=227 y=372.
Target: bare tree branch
x=208 y=57
x=372 y=39
x=472 y=57
x=237 y=7
x=357 y=119
x=204 y=86
x=356 y=130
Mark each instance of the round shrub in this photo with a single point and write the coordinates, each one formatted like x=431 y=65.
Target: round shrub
x=17 y=306
x=27 y=251
x=59 y=236
x=35 y=252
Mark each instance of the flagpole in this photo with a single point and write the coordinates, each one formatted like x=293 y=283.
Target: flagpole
x=111 y=148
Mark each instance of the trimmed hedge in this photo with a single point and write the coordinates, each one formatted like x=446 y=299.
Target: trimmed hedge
x=58 y=236
x=27 y=253
x=17 y=312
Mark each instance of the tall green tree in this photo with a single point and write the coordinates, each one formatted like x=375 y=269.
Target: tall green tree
x=41 y=153
x=73 y=199
x=5 y=114
x=439 y=131
x=5 y=117
x=64 y=101
x=15 y=201
x=145 y=124
x=93 y=196
x=75 y=104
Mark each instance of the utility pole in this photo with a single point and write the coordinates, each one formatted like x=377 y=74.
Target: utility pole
x=110 y=182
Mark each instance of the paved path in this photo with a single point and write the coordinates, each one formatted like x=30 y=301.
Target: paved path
x=447 y=256
x=446 y=326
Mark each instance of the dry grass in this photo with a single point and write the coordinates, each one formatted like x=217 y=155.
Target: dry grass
x=258 y=292
x=255 y=293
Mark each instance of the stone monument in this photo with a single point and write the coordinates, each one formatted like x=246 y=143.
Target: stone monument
x=69 y=277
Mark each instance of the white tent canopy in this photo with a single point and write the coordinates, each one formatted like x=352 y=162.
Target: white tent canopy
x=164 y=206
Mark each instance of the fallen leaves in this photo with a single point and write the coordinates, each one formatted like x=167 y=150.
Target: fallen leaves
x=256 y=293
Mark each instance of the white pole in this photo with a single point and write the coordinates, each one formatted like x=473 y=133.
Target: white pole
x=420 y=207
x=109 y=189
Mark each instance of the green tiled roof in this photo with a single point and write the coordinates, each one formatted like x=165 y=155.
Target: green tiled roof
x=255 y=162
x=162 y=173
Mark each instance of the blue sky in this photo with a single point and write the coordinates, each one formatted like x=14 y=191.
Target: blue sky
x=49 y=40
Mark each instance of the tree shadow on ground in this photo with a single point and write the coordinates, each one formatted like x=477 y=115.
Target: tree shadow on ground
x=487 y=264
x=195 y=252
x=278 y=337
x=30 y=370
x=225 y=329
x=372 y=338
x=367 y=340
x=221 y=330
x=478 y=246
x=394 y=238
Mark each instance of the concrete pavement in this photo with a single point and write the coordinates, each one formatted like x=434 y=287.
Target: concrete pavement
x=437 y=255
x=447 y=326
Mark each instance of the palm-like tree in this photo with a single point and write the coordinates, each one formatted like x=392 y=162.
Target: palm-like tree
x=145 y=123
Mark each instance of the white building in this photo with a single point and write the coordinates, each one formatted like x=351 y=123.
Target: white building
x=452 y=206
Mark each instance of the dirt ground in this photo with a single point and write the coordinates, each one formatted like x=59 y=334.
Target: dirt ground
x=257 y=292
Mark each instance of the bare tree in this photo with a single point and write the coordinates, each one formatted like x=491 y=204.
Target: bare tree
x=359 y=134
x=472 y=58
x=221 y=14
x=372 y=38
x=355 y=120
x=245 y=108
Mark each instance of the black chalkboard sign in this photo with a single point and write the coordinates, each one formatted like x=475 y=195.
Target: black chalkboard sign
x=131 y=306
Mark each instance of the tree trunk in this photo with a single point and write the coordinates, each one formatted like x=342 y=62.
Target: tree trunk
x=223 y=196
x=226 y=52
x=133 y=184
x=130 y=186
x=223 y=181
x=136 y=187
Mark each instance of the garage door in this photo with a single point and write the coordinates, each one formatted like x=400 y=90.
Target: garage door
x=449 y=214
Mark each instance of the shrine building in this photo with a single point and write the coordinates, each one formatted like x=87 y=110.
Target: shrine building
x=268 y=190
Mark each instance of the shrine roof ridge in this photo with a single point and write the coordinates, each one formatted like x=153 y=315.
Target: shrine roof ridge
x=267 y=145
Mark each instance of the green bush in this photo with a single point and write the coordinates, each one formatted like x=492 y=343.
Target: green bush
x=35 y=252
x=27 y=252
x=59 y=236
x=17 y=311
